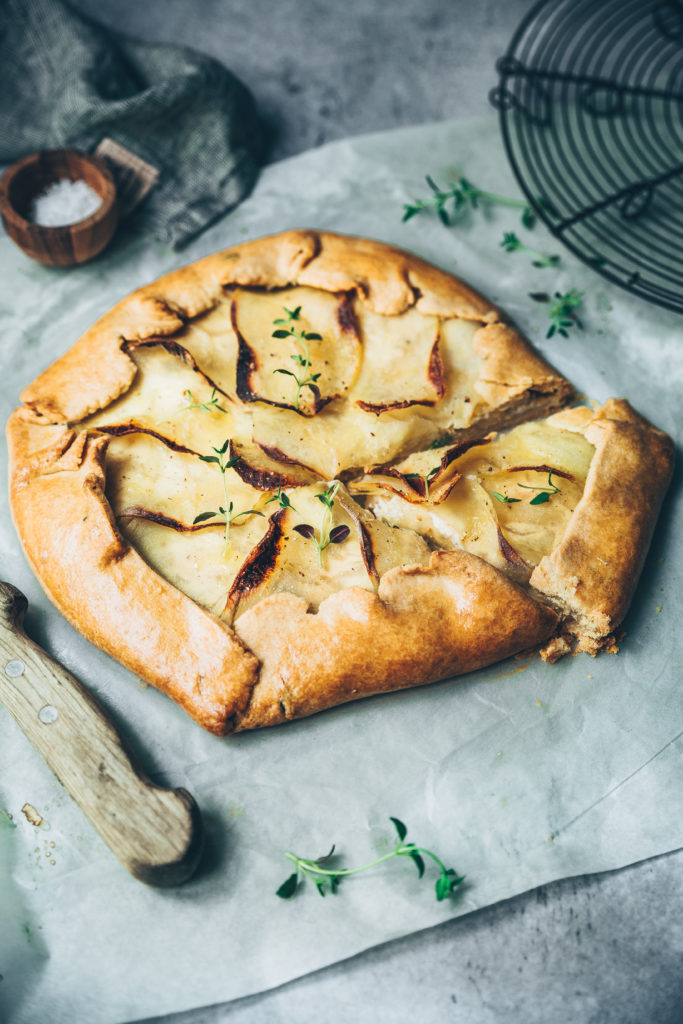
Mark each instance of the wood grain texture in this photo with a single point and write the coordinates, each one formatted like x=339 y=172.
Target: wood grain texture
x=72 y=243
x=154 y=832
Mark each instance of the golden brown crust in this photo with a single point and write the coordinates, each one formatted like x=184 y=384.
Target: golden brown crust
x=424 y=624
x=96 y=370
x=592 y=574
x=511 y=368
x=107 y=591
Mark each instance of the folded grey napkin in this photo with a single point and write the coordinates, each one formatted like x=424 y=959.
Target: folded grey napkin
x=65 y=81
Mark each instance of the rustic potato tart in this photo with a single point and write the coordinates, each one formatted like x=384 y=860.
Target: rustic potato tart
x=312 y=468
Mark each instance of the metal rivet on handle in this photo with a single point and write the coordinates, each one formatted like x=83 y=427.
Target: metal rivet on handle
x=48 y=714
x=14 y=668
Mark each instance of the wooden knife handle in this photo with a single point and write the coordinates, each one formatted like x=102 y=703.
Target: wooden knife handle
x=156 y=833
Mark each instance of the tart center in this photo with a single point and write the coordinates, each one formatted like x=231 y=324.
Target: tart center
x=296 y=440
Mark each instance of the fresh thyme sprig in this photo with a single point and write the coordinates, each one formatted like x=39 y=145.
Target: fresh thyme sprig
x=282 y=500
x=225 y=512
x=327 y=879
x=206 y=406
x=463 y=195
x=440 y=442
x=561 y=310
x=544 y=493
x=511 y=243
x=325 y=535
x=286 y=330
x=426 y=478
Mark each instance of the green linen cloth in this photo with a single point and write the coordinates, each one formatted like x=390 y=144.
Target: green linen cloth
x=65 y=81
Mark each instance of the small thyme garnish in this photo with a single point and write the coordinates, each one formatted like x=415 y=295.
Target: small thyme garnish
x=504 y=498
x=327 y=879
x=307 y=380
x=325 y=535
x=511 y=243
x=226 y=513
x=439 y=442
x=426 y=478
x=206 y=406
x=562 y=312
x=544 y=493
x=463 y=195
x=282 y=500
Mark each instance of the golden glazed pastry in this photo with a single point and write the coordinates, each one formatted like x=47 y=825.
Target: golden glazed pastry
x=312 y=468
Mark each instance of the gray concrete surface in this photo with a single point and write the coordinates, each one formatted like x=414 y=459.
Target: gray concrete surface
x=604 y=949
x=323 y=70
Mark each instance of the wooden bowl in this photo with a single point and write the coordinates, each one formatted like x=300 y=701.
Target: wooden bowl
x=71 y=243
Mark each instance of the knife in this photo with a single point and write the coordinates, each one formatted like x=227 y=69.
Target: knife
x=156 y=833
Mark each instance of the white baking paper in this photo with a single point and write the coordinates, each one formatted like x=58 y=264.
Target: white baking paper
x=516 y=775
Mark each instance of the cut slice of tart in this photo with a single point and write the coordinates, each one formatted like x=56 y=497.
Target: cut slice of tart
x=565 y=505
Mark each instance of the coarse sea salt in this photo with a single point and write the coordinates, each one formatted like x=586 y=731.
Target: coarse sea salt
x=64 y=202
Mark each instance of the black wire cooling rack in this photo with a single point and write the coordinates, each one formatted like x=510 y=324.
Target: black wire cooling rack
x=591 y=109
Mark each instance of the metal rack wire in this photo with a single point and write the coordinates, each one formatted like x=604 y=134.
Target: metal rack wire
x=591 y=110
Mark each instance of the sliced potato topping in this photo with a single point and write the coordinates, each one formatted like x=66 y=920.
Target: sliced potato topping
x=264 y=555
x=289 y=337
x=462 y=366
x=141 y=470
x=465 y=520
x=340 y=437
x=209 y=428
x=402 y=365
x=294 y=564
x=212 y=342
x=196 y=562
x=186 y=387
x=510 y=500
x=166 y=398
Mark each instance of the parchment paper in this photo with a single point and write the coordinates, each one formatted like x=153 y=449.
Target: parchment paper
x=517 y=775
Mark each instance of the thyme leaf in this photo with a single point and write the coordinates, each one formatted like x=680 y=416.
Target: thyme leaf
x=326 y=534
x=562 y=312
x=303 y=359
x=282 y=500
x=222 y=459
x=543 y=493
x=461 y=196
x=210 y=406
x=327 y=879
x=511 y=243
x=425 y=479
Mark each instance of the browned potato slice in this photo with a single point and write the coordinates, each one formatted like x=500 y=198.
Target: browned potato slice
x=273 y=364
x=338 y=438
x=212 y=341
x=174 y=400
x=141 y=470
x=508 y=499
x=402 y=364
x=288 y=560
x=196 y=561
